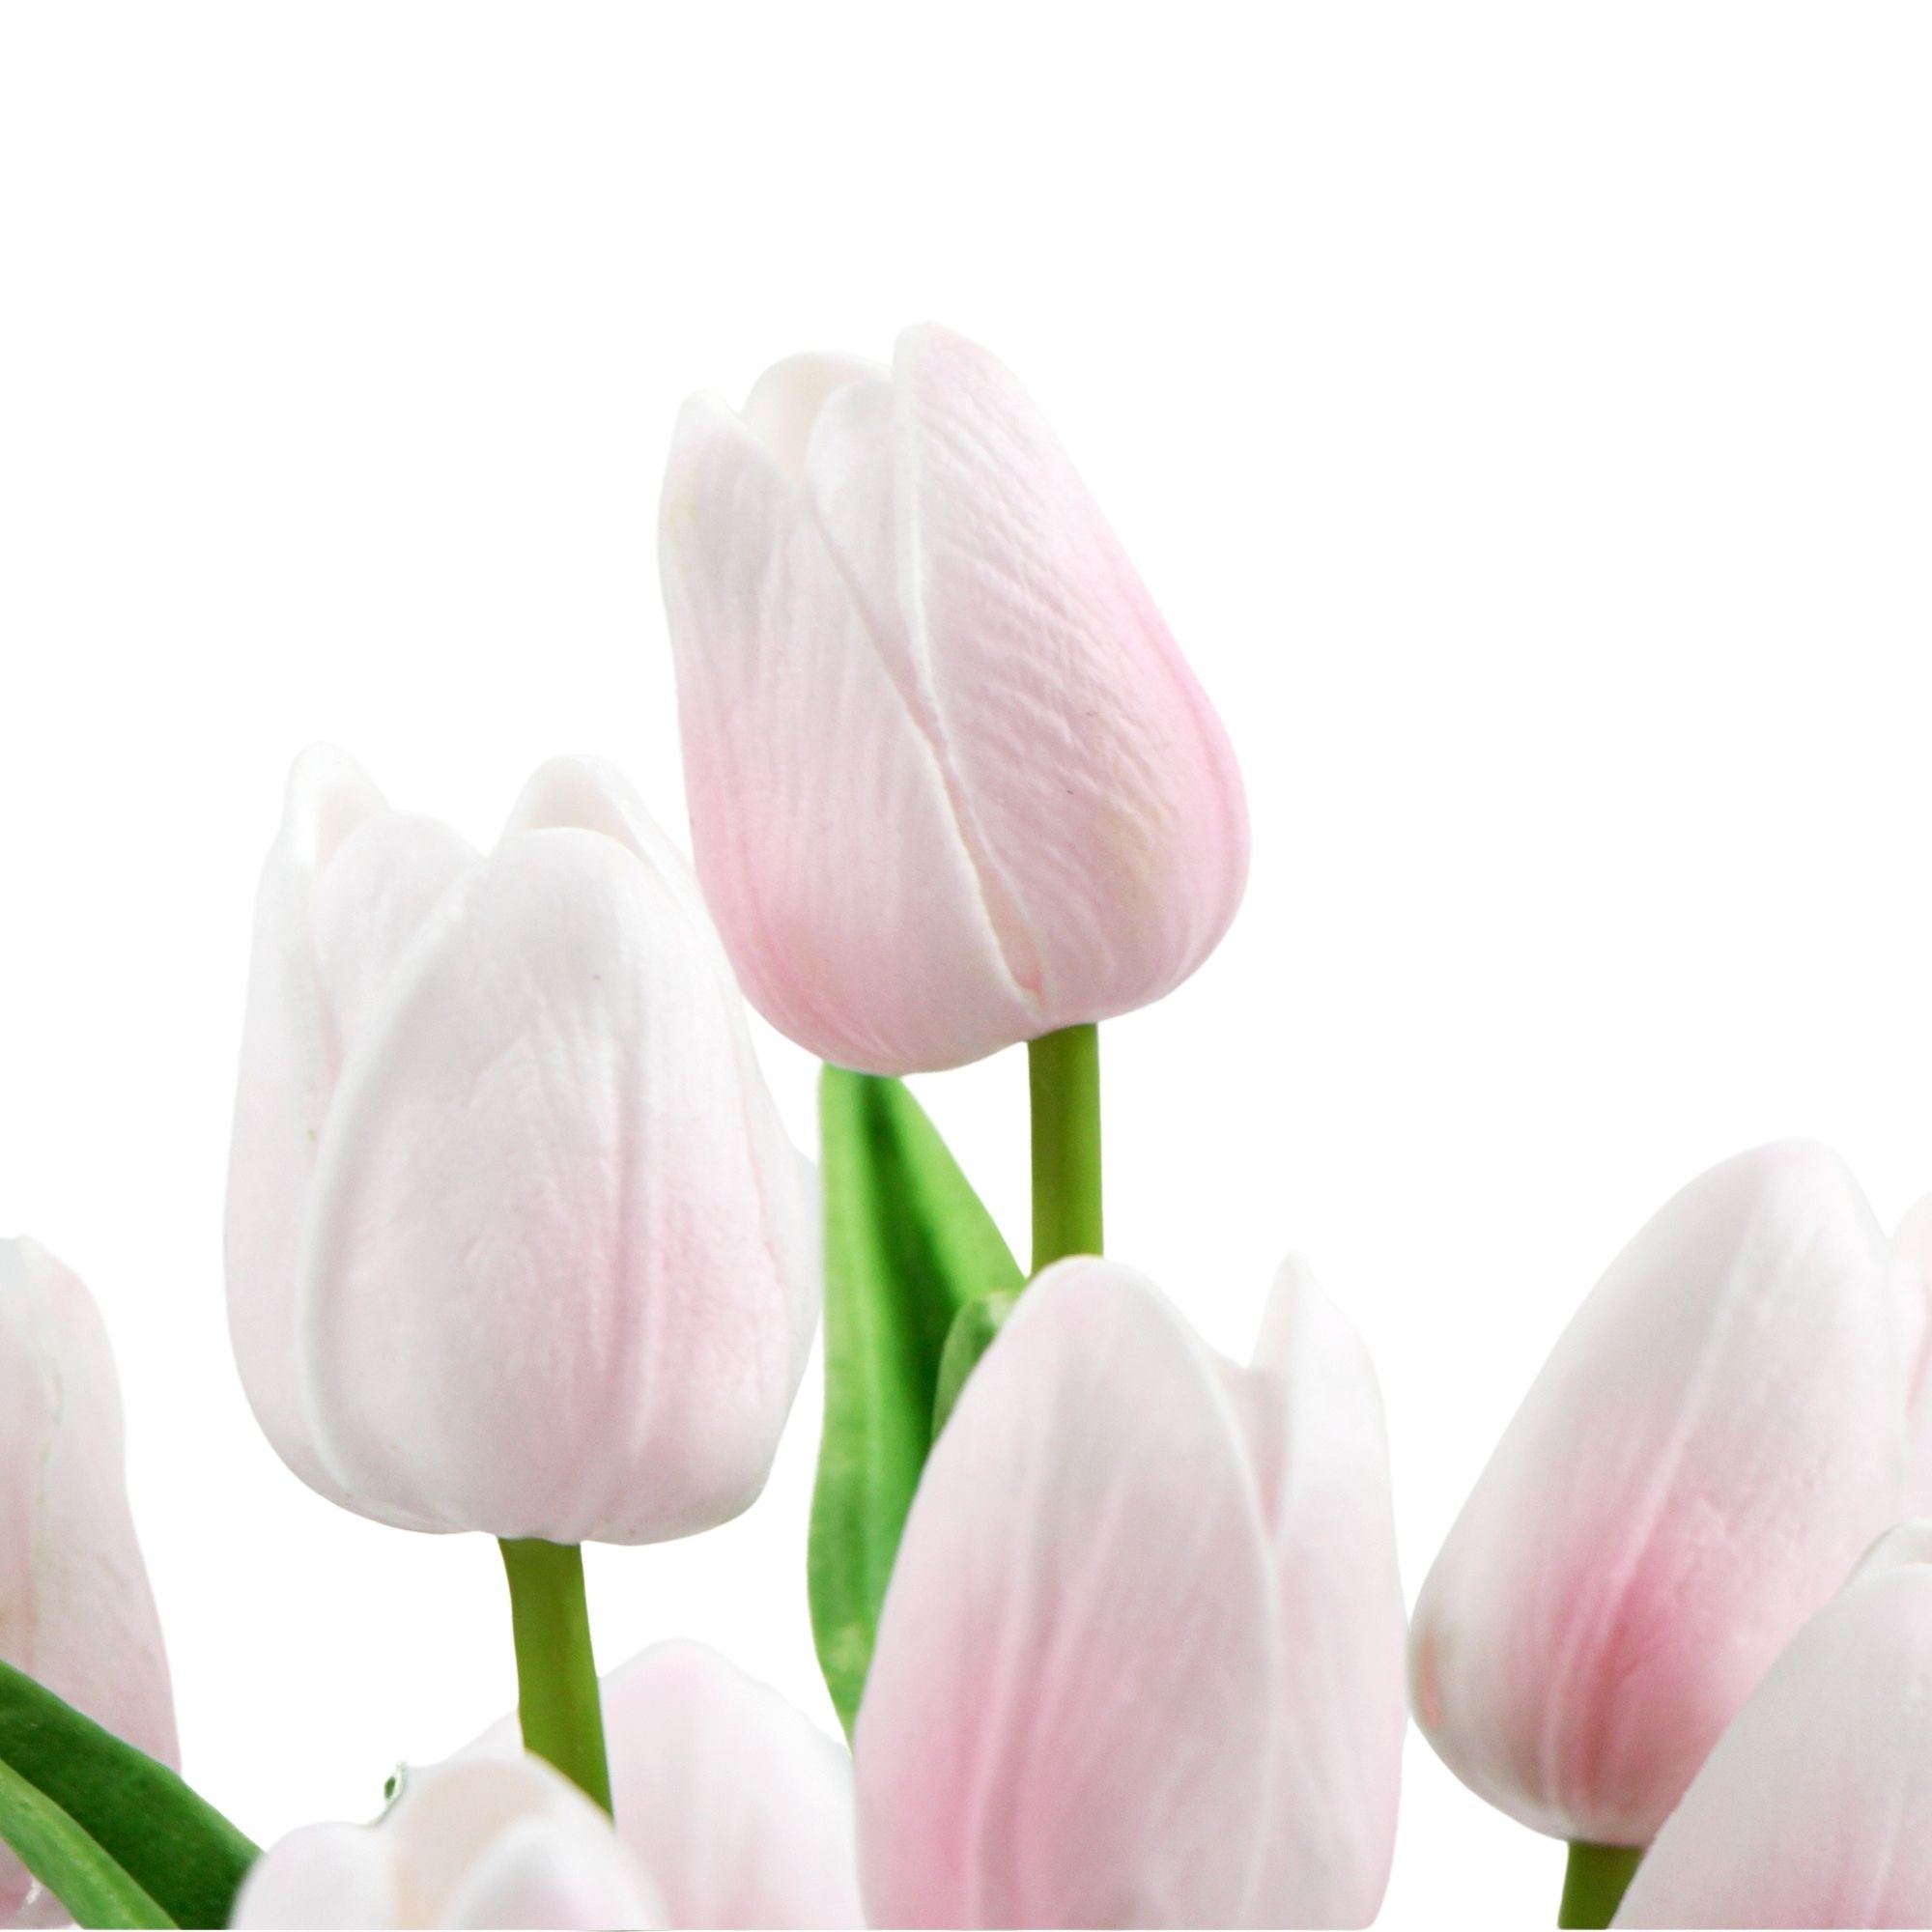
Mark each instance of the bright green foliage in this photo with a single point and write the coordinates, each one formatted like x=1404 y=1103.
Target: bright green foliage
x=907 y=1245
x=113 y=1833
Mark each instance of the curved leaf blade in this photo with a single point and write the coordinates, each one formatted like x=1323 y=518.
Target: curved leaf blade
x=907 y=1245
x=68 y=1861
x=186 y=1859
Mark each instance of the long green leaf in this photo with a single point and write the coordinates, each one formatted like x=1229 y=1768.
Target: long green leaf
x=907 y=1245
x=180 y=1852
x=69 y=1862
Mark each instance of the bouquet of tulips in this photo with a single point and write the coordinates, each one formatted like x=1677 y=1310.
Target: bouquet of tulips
x=517 y=1245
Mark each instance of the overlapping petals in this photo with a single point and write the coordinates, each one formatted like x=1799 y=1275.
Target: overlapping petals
x=515 y=1239
x=951 y=785
x=1718 y=1433
x=1121 y=1677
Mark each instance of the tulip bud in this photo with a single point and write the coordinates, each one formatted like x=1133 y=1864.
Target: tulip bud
x=1140 y=1661
x=516 y=1242
x=75 y=1609
x=1712 y=1440
x=951 y=785
x=1815 y=1808
x=465 y=1845
x=738 y=1807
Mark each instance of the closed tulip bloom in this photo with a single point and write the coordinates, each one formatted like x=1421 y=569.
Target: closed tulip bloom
x=951 y=785
x=516 y=1242
x=738 y=1807
x=1815 y=1808
x=464 y=1845
x=75 y=1609
x=1718 y=1433
x=1140 y=1661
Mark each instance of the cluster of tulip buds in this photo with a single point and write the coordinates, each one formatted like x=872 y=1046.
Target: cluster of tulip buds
x=518 y=1245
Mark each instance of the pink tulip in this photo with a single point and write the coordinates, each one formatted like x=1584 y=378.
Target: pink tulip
x=738 y=1807
x=516 y=1242
x=464 y=1845
x=1718 y=1433
x=951 y=785
x=1140 y=1663
x=1815 y=1808
x=76 y=1610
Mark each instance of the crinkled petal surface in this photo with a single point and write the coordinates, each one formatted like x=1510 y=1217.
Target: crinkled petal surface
x=75 y=1608
x=1090 y=769
x=1070 y=1715
x=1314 y=1415
x=557 y=1277
x=1711 y=1442
x=823 y=833
x=1815 y=1808
x=736 y=1804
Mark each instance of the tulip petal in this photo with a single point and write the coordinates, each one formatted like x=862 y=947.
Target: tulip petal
x=784 y=405
x=828 y=850
x=569 y=1874
x=1070 y=1714
x=338 y=1875
x=1313 y=1410
x=288 y=1059
x=371 y=901
x=76 y=1612
x=1815 y=1808
x=527 y=1230
x=1096 y=770
x=1911 y=1243
x=736 y=1804
x=1714 y=1439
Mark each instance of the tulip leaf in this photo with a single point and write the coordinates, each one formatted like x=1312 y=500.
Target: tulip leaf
x=93 y=1887
x=908 y=1245
x=969 y=1338
x=178 y=1854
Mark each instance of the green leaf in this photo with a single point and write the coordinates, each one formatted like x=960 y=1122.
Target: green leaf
x=969 y=1338
x=174 y=1848
x=69 y=1862
x=907 y=1245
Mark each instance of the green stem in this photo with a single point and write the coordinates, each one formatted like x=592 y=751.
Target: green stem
x=1595 y=1882
x=558 y=1697
x=1063 y=1076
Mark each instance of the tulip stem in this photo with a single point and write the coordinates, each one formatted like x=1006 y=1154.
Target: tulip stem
x=1063 y=1076
x=558 y=1702
x=1595 y=1881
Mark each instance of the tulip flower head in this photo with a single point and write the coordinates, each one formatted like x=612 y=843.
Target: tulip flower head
x=1815 y=1808
x=951 y=785
x=75 y=1609
x=1715 y=1437
x=1140 y=1661
x=738 y=1807
x=516 y=1242
x=464 y=1844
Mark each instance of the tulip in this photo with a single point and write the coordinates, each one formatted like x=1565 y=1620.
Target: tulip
x=75 y=1609
x=951 y=785
x=1140 y=1661
x=516 y=1242
x=738 y=1807
x=464 y=1844
x=1815 y=1808
x=1718 y=1433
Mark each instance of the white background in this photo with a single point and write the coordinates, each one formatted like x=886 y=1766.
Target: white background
x=1525 y=419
